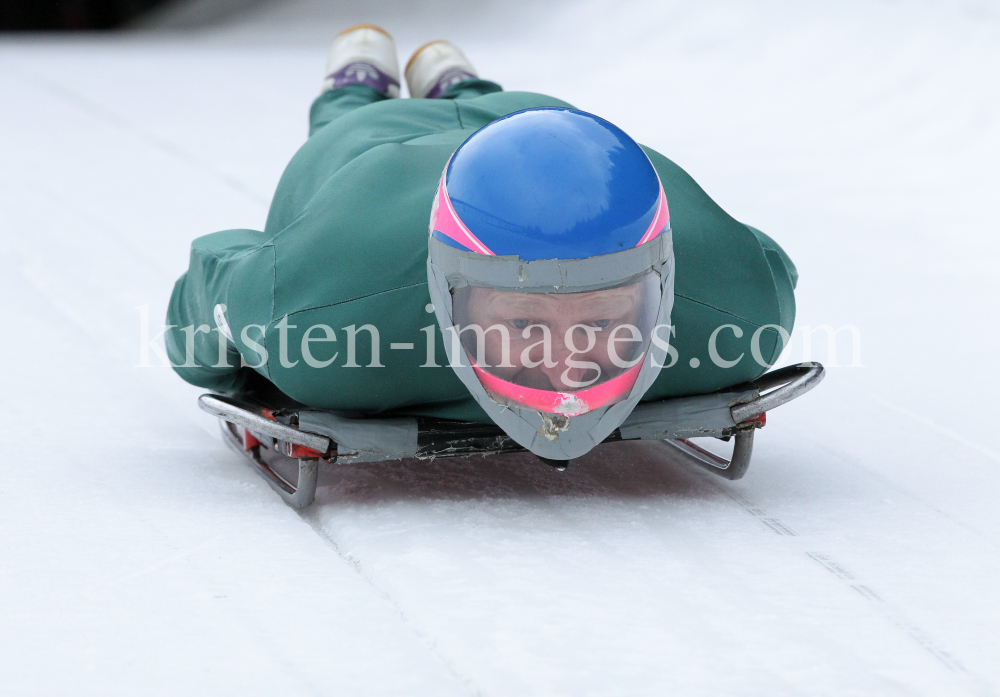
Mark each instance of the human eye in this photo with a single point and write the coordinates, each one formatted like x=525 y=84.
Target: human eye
x=519 y=323
x=602 y=323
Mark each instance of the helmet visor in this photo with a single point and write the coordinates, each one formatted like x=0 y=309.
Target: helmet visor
x=559 y=353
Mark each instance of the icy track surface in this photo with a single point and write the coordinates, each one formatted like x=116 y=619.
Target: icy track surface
x=858 y=557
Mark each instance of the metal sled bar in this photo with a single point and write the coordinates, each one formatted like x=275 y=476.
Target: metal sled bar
x=785 y=384
x=791 y=382
x=442 y=438
x=299 y=495
x=729 y=469
x=252 y=418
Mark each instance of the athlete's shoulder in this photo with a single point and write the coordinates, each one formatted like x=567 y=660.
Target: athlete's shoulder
x=674 y=176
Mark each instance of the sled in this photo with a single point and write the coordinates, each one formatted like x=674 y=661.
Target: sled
x=281 y=438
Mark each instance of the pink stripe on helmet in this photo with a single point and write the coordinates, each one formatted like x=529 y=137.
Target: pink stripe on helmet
x=565 y=403
x=661 y=221
x=445 y=220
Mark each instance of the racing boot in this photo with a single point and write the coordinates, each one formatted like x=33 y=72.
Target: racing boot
x=435 y=67
x=363 y=55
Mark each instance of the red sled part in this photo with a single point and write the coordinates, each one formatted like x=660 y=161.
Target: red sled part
x=249 y=440
x=301 y=451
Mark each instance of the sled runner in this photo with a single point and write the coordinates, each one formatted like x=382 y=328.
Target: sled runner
x=279 y=437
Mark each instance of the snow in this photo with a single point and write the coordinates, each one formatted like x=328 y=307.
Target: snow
x=858 y=557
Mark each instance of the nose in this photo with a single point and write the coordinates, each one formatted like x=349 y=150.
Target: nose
x=555 y=374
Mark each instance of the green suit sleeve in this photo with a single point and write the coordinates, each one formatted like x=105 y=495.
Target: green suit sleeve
x=785 y=277
x=733 y=283
x=218 y=270
x=776 y=256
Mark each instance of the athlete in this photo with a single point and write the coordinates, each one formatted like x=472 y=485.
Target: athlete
x=481 y=255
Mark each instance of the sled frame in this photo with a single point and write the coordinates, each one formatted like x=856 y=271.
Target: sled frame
x=265 y=429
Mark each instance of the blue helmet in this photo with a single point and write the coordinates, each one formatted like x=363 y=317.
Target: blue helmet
x=549 y=235
x=552 y=183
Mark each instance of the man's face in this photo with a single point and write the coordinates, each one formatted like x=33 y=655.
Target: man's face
x=561 y=342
